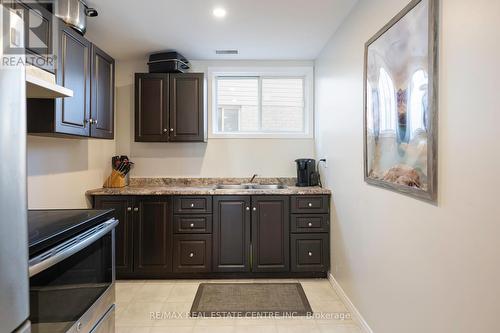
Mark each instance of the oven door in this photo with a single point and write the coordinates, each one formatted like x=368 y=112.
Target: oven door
x=72 y=284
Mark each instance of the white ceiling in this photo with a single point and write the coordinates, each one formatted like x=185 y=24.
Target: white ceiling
x=259 y=29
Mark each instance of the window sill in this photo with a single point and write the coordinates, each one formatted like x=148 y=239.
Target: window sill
x=290 y=136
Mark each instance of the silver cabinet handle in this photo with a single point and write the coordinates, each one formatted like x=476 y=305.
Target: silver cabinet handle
x=95 y=122
x=254 y=209
x=310 y=204
x=192 y=205
x=309 y=224
x=69 y=247
x=171 y=130
x=129 y=209
x=309 y=254
x=136 y=209
x=191 y=225
x=248 y=208
x=165 y=130
x=191 y=255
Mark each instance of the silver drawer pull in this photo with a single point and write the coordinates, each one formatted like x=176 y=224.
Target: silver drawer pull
x=310 y=254
x=191 y=225
x=310 y=204
x=191 y=255
x=309 y=224
x=129 y=209
x=192 y=205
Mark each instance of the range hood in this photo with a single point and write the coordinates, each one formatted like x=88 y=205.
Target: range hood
x=42 y=84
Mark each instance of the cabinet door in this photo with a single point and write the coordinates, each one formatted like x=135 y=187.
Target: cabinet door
x=73 y=72
x=310 y=253
x=38 y=34
x=186 y=107
x=270 y=234
x=103 y=91
x=151 y=107
x=123 y=207
x=153 y=235
x=192 y=253
x=231 y=234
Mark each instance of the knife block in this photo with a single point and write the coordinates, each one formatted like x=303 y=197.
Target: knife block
x=116 y=180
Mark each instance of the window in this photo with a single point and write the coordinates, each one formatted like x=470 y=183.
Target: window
x=229 y=118
x=250 y=104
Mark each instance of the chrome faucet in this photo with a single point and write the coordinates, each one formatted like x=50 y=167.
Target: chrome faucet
x=253 y=178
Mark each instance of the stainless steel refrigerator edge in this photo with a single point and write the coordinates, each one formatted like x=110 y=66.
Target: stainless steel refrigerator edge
x=14 y=283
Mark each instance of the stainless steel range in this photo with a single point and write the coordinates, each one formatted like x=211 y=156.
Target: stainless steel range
x=72 y=271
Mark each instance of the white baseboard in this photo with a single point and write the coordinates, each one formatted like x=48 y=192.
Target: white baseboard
x=350 y=307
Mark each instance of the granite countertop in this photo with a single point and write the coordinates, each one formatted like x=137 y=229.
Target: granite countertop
x=205 y=186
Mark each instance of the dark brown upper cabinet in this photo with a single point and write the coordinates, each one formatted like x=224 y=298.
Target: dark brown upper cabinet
x=38 y=30
x=73 y=72
x=89 y=72
x=151 y=107
x=186 y=108
x=103 y=85
x=170 y=107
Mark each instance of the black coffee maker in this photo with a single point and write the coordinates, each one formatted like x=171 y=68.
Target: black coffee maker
x=307 y=175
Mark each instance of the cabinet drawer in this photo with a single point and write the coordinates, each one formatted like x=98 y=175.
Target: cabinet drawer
x=310 y=252
x=183 y=205
x=192 y=253
x=189 y=224
x=310 y=204
x=310 y=223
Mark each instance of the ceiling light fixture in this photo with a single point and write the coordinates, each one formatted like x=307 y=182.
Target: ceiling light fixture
x=219 y=12
x=226 y=51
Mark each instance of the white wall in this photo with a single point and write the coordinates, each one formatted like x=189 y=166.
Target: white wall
x=61 y=170
x=218 y=157
x=409 y=266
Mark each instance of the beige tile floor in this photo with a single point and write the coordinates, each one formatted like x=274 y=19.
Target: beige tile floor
x=135 y=300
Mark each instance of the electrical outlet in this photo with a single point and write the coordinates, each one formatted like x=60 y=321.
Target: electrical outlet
x=324 y=162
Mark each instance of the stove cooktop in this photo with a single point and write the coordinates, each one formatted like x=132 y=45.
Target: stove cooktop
x=49 y=227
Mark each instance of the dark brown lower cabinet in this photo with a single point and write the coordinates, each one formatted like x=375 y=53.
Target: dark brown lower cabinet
x=124 y=211
x=192 y=253
x=310 y=252
x=270 y=234
x=231 y=232
x=174 y=236
x=153 y=235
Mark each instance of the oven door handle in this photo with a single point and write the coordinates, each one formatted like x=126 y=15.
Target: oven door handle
x=70 y=247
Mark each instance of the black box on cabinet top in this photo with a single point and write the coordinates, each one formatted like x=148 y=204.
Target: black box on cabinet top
x=168 y=62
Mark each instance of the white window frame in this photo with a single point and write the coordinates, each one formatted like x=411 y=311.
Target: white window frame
x=305 y=72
